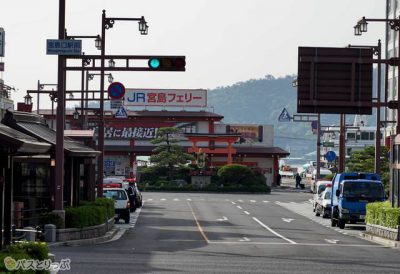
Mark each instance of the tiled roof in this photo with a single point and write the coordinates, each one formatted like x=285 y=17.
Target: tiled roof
x=21 y=142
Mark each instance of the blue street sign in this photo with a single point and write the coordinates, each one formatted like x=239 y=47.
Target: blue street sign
x=330 y=156
x=116 y=90
x=64 y=47
x=284 y=116
x=121 y=113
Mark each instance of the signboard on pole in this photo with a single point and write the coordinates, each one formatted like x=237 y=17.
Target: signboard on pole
x=166 y=97
x=1 y=66
x=121 y=113
x=63 y=47
x=116 y=90
x=334 y=80
x=115 y=103
x=284 y=116
x=2 y=42
x=330 y=156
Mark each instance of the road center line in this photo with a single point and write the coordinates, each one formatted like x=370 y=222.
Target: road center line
x=272 y=231
x=246 y=212
x=239 y=207
x=234 y=203
x=198 y=224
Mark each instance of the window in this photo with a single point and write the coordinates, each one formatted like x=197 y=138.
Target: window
x=364 y=135
x=351 y=136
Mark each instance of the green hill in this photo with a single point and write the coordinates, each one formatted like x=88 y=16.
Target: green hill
x=260 y=101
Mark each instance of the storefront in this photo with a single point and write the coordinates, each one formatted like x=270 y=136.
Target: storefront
x=16 y=149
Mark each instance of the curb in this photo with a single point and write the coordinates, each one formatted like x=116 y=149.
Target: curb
x=108 y=237
x=380 y=240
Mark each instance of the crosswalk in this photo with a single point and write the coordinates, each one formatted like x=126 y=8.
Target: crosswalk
x=238 y=201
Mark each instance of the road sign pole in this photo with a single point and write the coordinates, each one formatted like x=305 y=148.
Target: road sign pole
x=318 y=146
x=342 y=143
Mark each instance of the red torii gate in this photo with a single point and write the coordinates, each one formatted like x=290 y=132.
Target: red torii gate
x=212 y=139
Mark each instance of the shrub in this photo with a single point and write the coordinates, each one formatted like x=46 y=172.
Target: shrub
x=235 y=174
x=52 y=218
x=381 y=213
x=25 y=250
x=89 y=214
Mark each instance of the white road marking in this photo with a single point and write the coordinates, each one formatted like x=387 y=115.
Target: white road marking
x=288 y=220
x=188 y=199
x=273 y=232
x=163 y=199
x=265 y=201
x=149 y=199
x=293 y=202
x=331 y=241
x=223 y=219
x=176 y=199
x=234 y=203
x=244 y=239
x=240 y=201
x=298 y=244
x=253 y=201
x=246 y=212
x=239 y=207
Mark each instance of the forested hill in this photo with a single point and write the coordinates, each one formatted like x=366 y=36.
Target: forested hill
x=260 y=101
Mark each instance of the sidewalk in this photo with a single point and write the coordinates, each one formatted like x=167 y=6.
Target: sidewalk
x=112 y=235
x=289 y=184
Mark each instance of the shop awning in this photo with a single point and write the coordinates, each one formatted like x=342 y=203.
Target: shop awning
x=33 y=125
x=21 y=143
x=46 y=134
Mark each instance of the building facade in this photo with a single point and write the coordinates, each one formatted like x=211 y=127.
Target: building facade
x=130 y=137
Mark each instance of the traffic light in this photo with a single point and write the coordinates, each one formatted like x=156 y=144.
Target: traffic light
x=176 y=63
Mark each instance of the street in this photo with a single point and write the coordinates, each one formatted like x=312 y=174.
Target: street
x=232 y=233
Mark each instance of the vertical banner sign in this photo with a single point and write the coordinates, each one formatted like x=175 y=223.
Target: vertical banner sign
x=2 y=42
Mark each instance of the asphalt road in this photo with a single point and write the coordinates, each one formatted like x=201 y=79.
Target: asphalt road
x=232 y=233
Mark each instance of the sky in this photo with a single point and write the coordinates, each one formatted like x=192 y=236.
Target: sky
x=224 y=41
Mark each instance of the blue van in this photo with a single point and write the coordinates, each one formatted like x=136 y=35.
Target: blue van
x=342 y=210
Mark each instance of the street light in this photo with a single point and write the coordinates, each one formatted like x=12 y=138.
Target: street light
x=394 y=24
x=97 y=42
x=357 y=30
x=28 y=99
x=111 y=63
x=110 y=78
x=75 y=114
x=107 y=23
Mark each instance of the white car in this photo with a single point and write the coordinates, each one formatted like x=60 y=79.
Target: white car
x=319 y=187
x=121 y=205
x=323 y=206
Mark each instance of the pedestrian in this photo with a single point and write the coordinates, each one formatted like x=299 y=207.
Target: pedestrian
x=298 y=180
x=278 y=178
x=132 y=197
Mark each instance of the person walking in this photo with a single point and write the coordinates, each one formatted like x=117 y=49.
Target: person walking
x=298 y=180
x=278 y=178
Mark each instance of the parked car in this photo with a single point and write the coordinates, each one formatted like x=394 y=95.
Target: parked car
x=323 y=206
x=320 y=186
x=121 y=202
x=352 y=209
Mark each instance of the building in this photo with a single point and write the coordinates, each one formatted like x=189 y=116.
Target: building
x=128 y=138
x=358 y=136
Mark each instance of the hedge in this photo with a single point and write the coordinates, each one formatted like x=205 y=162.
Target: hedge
x=381 y=213
x=89 y=214
x=24 y=250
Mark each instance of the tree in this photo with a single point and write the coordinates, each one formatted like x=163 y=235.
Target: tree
x=168 y=153
x=363 y=161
